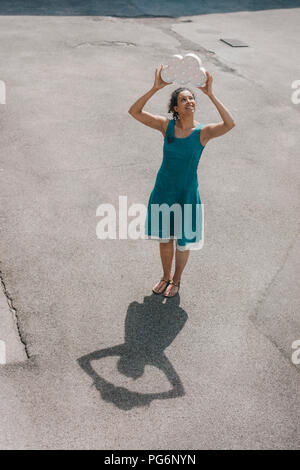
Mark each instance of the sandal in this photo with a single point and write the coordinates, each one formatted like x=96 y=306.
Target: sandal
x=177 y=285
x=166 y=282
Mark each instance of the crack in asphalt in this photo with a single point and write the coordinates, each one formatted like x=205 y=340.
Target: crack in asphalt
x=254 y=316
x=276 y=345
x=14 y=313
x=105 y=43
x=266 y=292
x=187 y=44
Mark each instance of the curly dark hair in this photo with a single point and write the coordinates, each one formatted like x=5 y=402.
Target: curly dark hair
x=174 y=101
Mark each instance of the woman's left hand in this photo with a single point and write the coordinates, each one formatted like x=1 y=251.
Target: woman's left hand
x=207 y=88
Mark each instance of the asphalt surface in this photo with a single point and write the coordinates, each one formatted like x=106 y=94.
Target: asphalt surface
x=110 y=365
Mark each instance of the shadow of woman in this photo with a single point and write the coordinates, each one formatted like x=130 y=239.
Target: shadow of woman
x=150 y=327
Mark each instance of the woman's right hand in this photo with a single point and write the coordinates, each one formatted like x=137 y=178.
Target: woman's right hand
x=158 y=82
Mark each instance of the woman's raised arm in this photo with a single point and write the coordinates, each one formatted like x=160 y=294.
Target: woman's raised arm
x=136 y=110
x=209 y=131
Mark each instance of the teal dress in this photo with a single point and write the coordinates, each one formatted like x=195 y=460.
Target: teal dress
x=174 y=208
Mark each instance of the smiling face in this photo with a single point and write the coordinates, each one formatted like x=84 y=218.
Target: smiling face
x=185 y=103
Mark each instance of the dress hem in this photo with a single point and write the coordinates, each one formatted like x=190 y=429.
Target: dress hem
x=189 y=246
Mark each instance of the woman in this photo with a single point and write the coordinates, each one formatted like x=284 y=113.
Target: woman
x=176 y=181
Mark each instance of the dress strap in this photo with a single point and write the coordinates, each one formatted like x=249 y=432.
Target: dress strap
x=173 y=127
x=170 y=131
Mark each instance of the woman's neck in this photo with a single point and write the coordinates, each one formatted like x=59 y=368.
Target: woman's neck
x=186 y=124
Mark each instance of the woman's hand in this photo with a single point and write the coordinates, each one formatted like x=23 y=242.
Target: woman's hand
x=158 y=82
x=207 y=88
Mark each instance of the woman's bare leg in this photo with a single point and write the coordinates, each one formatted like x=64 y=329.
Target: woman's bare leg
x=166 y=255
x=181 y=258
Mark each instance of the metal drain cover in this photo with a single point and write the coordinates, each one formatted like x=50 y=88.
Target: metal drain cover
x=234 y=42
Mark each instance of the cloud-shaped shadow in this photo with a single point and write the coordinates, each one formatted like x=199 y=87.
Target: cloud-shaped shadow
x=150 y=327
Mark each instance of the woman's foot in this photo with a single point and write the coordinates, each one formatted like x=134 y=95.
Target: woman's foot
x=172 y=288
x=160 y=286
